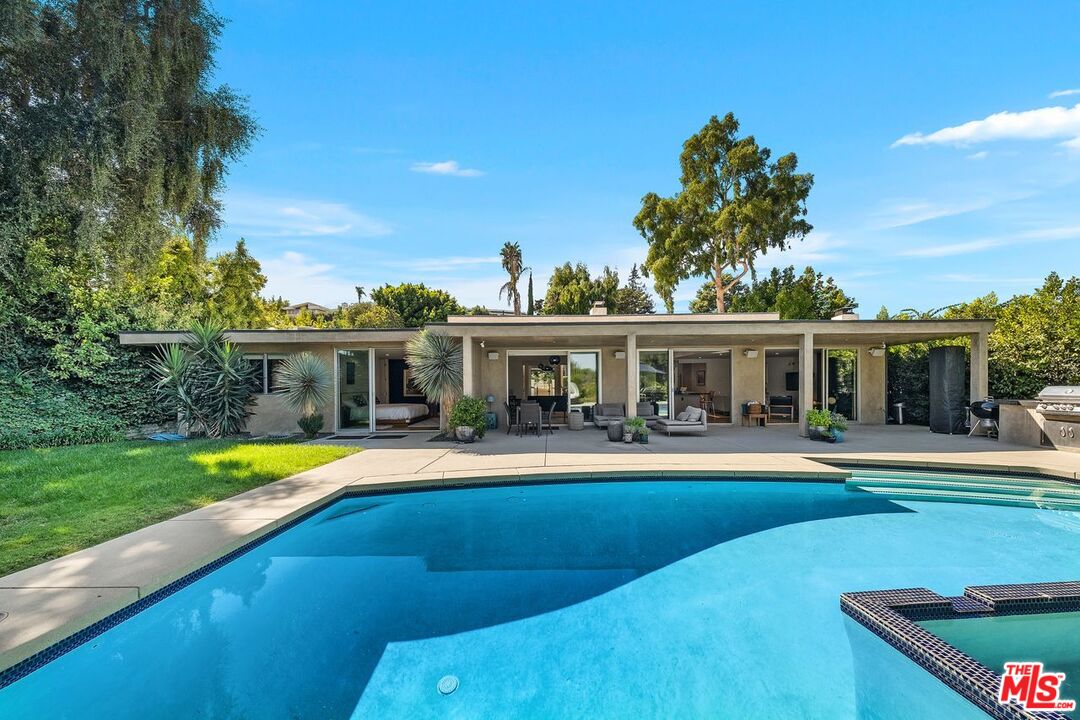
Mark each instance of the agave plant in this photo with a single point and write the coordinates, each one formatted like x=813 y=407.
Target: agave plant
x=435 y=362
x=207 y=381
x=306 y=385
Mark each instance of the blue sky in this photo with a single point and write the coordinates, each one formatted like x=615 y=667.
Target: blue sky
x=408 y=141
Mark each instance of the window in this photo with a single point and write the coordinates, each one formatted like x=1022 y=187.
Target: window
x=653 y=383
x=259 y=363
x=584 y=387
x=273 y=364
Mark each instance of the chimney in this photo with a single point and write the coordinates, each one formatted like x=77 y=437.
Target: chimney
x=846 y=314
x=598 y=308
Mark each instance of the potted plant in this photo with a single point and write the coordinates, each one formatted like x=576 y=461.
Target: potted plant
x=838 y=425
x=305 y=383
x=638 y=430
x=819 y=422
x=468 y=418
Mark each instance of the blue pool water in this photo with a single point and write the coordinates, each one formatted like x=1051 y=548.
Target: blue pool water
x=607 y=600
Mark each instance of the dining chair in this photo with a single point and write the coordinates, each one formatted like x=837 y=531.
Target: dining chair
x=532 y=415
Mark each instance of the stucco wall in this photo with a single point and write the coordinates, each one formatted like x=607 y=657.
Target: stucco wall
x=872 y=375
x=748 y=380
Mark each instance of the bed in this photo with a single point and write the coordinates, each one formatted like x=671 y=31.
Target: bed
x=400 y=413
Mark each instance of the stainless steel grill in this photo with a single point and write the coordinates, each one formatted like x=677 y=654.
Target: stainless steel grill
x=1059 y=400
x=1060 y=407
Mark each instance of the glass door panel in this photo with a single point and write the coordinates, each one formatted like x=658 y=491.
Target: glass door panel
x=584 y=386
x=654 y=379
x=841 y=378
x=354 y=389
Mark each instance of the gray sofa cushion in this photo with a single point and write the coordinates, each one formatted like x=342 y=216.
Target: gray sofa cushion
x=603 y=413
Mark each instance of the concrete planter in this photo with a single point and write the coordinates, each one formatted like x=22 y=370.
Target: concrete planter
x=465 y=434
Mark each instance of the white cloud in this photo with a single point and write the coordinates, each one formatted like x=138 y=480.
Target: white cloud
x=1049 y=123
x=446 y=167
x=981 y=155
x=300 y=278
x=961 y=248
x=1027 y=237
x=263 y=216
x=1064 y=93
x=436 y=264
x=904 y=212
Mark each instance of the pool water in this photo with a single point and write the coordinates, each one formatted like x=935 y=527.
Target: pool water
x=602 y=600
x=1053 y=638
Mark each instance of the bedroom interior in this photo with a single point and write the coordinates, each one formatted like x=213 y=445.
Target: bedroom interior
x=397 y=403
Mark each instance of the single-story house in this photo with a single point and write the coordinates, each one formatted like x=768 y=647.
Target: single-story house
x=717 y=362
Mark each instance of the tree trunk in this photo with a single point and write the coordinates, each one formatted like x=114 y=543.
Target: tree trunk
x=721 y=288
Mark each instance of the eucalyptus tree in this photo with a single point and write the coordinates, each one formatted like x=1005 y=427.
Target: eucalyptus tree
x=512 y=264
x=735 y=204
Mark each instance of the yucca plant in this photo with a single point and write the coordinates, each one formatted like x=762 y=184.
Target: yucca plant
x=306 y=384
x=435 y=362
x=207 y=381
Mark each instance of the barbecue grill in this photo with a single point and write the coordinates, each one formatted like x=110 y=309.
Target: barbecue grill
x=986 y=411
x=1060 y=407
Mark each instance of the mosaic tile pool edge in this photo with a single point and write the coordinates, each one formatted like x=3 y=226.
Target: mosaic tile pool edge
x=891 y=615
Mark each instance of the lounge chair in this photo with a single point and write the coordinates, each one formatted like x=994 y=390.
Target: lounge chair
x=647 y=412
x=691 y=420
x=604 y=413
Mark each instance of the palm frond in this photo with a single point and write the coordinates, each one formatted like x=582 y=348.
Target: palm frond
x=306 y=383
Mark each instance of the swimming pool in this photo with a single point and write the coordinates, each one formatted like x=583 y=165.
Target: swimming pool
x=613 y=599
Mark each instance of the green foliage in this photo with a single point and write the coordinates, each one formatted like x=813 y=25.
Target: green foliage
x=531 y=310
x=59 y=500
x=471 y=412
x=636 y=426
x=819 y=418
x=236 y=280
x=735 y=204
x=114 y=151
x=633 y=298
x=809 y=296
x=305 y=382
x=207 y=381
x=512 y=264
x=1035 y=343
x=572 y=291
x=837 y=422
x=436 y=365
x=311 y=425
x=416 y=304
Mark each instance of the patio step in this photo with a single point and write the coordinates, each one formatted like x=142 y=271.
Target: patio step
x=1024 y=492
x=932 y=476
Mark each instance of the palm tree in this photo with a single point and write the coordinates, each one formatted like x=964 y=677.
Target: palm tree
x=511 y=262
x=436 y=365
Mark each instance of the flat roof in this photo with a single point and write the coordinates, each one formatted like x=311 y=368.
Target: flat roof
x=741 y=328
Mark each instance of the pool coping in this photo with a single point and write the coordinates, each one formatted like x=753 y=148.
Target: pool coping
x=892 y=615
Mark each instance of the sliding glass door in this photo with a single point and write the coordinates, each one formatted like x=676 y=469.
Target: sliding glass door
x=654 y=379
x=842 y=380
x=354 y=390
x=584 y=386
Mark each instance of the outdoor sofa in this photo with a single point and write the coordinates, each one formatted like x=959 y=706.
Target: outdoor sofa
x=647 y=412
x=604 y=413
x=691 y=420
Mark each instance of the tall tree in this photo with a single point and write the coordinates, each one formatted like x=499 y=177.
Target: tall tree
x=572 y=291
x=236 y=281
x=735 y=204
x=531 y=310
x=512 y=264
x=417 y=304
x=633 y=298
x=806 y=296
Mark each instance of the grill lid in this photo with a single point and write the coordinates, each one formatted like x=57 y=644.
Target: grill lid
x=1062 y=400
x=1060 y=393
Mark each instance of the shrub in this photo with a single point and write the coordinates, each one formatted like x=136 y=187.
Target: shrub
x=306 y=382
x=819 y=418
x=207 y=381
x=837 y=422
x=311 y=424
x=46 y=413
x=436 y=363
x=469 y=412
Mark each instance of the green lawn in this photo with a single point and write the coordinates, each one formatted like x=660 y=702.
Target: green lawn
x=58 y=500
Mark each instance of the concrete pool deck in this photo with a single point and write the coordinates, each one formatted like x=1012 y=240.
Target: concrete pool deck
x=50 y=601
